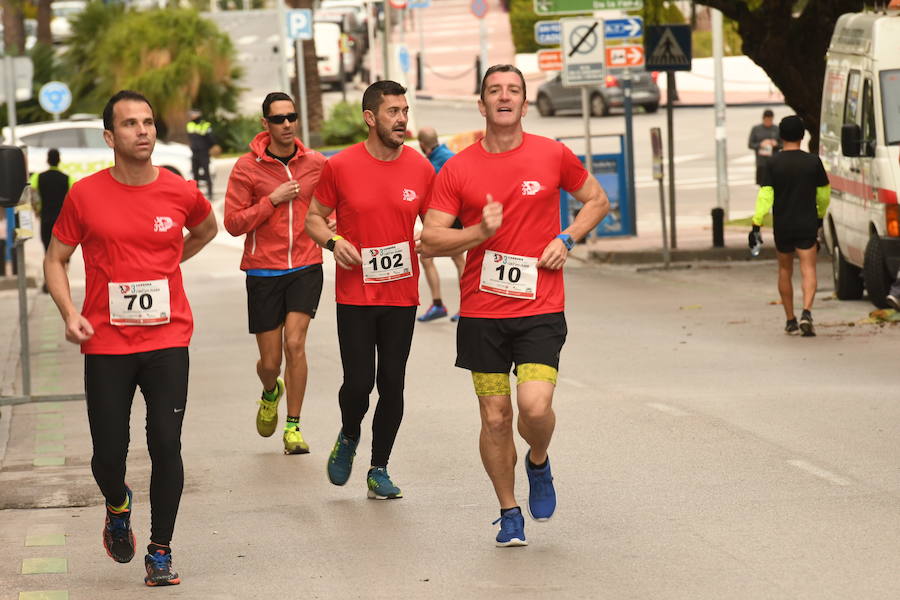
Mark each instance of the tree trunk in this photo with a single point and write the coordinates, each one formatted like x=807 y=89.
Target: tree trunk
x=314 y=108
x=791 y=50
x=13 y=27
x=44 y=15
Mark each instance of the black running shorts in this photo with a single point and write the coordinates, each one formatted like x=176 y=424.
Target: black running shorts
x=494 y=345
x=269 y=299
x=787 y=244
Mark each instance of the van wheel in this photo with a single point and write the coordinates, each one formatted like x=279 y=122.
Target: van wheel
x=545 y=107
x=875 y=273
x=652 y=107
x=848 y=283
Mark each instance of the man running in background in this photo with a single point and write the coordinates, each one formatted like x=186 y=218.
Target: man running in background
x=51 y=186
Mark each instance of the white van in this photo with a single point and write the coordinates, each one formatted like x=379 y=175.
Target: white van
x=860 y=148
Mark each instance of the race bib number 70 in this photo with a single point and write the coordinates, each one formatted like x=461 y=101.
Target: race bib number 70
x=139 y=302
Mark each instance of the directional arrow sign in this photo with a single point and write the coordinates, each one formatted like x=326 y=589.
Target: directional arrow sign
x=624 y=28
x=620 y=57
x=562 y=7
x=550 y=60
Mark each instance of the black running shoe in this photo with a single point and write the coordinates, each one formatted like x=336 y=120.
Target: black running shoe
x=791 y=327
x=894 y=301
x=159 y=569
x=806 y=324
x=118 y=539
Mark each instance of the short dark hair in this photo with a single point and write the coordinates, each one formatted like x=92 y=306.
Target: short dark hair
x=502 y=69
x=53 y=157
x=275 y=97
x=376 y=92
x=118 y=97
x=791 y=129
x=768 y=113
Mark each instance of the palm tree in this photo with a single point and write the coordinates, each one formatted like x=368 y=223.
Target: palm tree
x=13 y=27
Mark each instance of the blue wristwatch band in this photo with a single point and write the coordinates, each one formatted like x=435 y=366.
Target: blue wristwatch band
x=567 y=240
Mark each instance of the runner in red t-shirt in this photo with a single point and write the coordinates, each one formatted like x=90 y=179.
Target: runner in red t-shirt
x=505 y=190
x=377 y=188
x=136 y=324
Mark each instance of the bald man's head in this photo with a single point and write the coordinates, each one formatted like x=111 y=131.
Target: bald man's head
x=428 y=139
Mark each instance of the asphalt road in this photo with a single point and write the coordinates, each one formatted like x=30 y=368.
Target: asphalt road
x=700 y=453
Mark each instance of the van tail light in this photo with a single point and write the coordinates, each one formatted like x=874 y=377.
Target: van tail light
x=892 y=218
x=611 y=81
x=654 y=75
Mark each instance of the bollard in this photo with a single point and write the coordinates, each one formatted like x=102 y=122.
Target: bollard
x=419 y=71
x=718 y=227
x=477 y=75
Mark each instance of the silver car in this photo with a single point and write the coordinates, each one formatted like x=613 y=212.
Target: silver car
x=553 y=96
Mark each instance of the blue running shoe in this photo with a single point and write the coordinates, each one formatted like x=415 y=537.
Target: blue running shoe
x=454 y=318
x=118 y=538
x=340 y=462
x=433 y=312
x=380 y=485
x=512 y=529
x=541 y=495
x=159 y=569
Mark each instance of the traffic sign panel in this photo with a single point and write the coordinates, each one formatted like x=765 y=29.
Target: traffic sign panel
x=668 y=48
x=562 y=7
x=479 y=8
x=299 y=24
x=55 y=97
x=546 y=33
x=631 y=27
x=622 y=57
x=550 y=60
x=399 y=4
x=418 y=4
x=583 y=51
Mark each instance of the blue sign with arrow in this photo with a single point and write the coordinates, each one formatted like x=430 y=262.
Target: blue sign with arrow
x=631 y=27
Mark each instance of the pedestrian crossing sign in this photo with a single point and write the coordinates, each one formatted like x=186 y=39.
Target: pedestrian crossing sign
x=667 y=47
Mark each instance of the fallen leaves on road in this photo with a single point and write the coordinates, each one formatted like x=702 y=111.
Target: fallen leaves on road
x=691 y=307
x=883 y=315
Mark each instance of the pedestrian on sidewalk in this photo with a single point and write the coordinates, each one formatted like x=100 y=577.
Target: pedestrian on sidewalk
x=268 y=194
x=51 y=186
x=765 y=142
x=203 y=143
x=437 y=154
x=136 y=323
x=795 y=188
x=377 y=188
x=505 y=190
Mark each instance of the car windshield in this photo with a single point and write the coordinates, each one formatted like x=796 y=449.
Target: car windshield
x=890 y=105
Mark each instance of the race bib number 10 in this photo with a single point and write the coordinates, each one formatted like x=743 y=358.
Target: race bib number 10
x=139 y=302
x=387 y=263
x=509 y=275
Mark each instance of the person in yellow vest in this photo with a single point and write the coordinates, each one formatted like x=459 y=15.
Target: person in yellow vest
x=203 y=143
x=51 y=187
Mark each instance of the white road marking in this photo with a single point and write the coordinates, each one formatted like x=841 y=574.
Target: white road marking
x=246 y=40
x=819 y=472
x=571 y=382
x=669 y=410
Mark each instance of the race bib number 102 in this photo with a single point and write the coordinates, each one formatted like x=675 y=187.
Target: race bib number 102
x=509 y=275
x=386 y=263
x=139 y=302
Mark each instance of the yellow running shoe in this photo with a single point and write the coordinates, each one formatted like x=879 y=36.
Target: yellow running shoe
x=267 y=415
x=294 y=442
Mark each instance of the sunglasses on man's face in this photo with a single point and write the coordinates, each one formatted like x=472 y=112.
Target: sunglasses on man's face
x=279 y=119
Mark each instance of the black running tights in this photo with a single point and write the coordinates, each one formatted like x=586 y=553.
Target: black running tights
x=363 y=330
x=110 y=382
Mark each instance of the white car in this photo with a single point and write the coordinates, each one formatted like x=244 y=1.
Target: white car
x=63 y=11
x=82 y=149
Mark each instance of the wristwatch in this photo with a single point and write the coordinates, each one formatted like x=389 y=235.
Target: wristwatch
x=567 y=240
x=329 y=245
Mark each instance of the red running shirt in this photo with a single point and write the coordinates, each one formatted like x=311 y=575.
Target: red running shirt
x=131 y=234
x=526 y=181
x=376 y=204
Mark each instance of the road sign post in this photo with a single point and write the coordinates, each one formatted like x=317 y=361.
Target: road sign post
x=656 y=146
x=582 y=54
x=299 y=28
x=668 y=48
x=55 y=97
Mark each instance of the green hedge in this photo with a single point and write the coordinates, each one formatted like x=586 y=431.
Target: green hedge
x=344 y=126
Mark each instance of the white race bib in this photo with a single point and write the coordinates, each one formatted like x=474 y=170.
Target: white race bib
x=509 y=275
x=386 y=263
x=139 y=302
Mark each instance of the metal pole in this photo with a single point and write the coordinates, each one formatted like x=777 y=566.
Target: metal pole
x=402 y=25
x=629 y=150
x=662 y=214
x=282 y=36
x=25 y=352
x=9 y=67
x=483 y=33
x=370 y=31
x=721 y=154
x=10 y=235
x=301 y=85
x=421 y=25
x=586 y=111
x=670 y=93
x=386 y=41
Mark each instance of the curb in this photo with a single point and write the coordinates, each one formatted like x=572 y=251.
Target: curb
x=679 y=255
x=12 y=282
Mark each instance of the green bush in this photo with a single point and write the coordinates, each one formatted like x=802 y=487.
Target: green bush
x=701 y=41
x=344 y=126
x=234 y=134
x=521 y=21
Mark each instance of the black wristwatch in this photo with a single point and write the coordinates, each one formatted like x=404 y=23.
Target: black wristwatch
x=329 y=245
x=567 y=240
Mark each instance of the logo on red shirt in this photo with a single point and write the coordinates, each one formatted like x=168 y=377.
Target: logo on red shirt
x=409 y=195
x=163 y=223
x=531 y=188
x=124 y=288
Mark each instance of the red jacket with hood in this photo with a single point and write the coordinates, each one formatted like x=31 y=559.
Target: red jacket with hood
x=275 y=234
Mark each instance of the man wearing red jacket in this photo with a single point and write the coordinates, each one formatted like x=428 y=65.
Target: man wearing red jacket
x=269 y=191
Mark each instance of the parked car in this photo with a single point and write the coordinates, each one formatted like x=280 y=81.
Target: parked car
x=859 y=144
x=330 y=58
x=553 y=96
x=83 y=150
